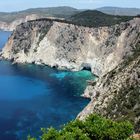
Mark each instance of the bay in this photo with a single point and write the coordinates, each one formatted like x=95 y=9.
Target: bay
x=32 y=97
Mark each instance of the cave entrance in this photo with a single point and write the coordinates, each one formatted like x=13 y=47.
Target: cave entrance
x=86 y=66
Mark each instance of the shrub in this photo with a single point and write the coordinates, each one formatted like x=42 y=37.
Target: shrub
x=94 y=127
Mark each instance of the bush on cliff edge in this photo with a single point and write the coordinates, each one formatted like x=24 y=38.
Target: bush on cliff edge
x=93 y=128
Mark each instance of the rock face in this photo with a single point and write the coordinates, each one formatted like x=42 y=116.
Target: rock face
x=12 y=26
x=117 y=94
x=112 y=53
x=67 y=46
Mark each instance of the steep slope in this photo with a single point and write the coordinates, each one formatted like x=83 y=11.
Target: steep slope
x=68 y=46
x=117 y=94
x=120 y=11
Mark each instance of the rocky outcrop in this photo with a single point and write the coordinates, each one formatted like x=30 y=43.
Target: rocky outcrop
x=67 y=46
x=12 y=25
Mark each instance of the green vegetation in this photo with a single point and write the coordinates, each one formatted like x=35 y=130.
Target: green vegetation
x=93 y=128
x=93 y=18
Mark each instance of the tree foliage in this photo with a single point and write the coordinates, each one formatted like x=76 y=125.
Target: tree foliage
x=94 y=127
x=94 y=18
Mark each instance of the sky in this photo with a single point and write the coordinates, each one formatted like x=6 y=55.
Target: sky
x=17 y=5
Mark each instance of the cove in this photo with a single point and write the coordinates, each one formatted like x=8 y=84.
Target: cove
x=32 y=97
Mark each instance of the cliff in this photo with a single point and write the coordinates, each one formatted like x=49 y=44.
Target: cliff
x=68 y=46
x=116 y=95
x=112 y=53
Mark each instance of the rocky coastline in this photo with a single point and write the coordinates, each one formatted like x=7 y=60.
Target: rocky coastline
x=109 y=52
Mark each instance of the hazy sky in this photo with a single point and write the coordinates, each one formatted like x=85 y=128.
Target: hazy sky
x=16 y=5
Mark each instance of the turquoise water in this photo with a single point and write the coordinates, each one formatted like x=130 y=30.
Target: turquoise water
x=33 y=96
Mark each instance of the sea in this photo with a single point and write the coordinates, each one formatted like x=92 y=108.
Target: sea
x=34 y=97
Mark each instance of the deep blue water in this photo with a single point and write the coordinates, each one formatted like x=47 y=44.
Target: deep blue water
x=32 y=97
x=3 y=38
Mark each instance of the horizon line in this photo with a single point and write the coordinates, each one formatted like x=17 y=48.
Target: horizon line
x=70 y=7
